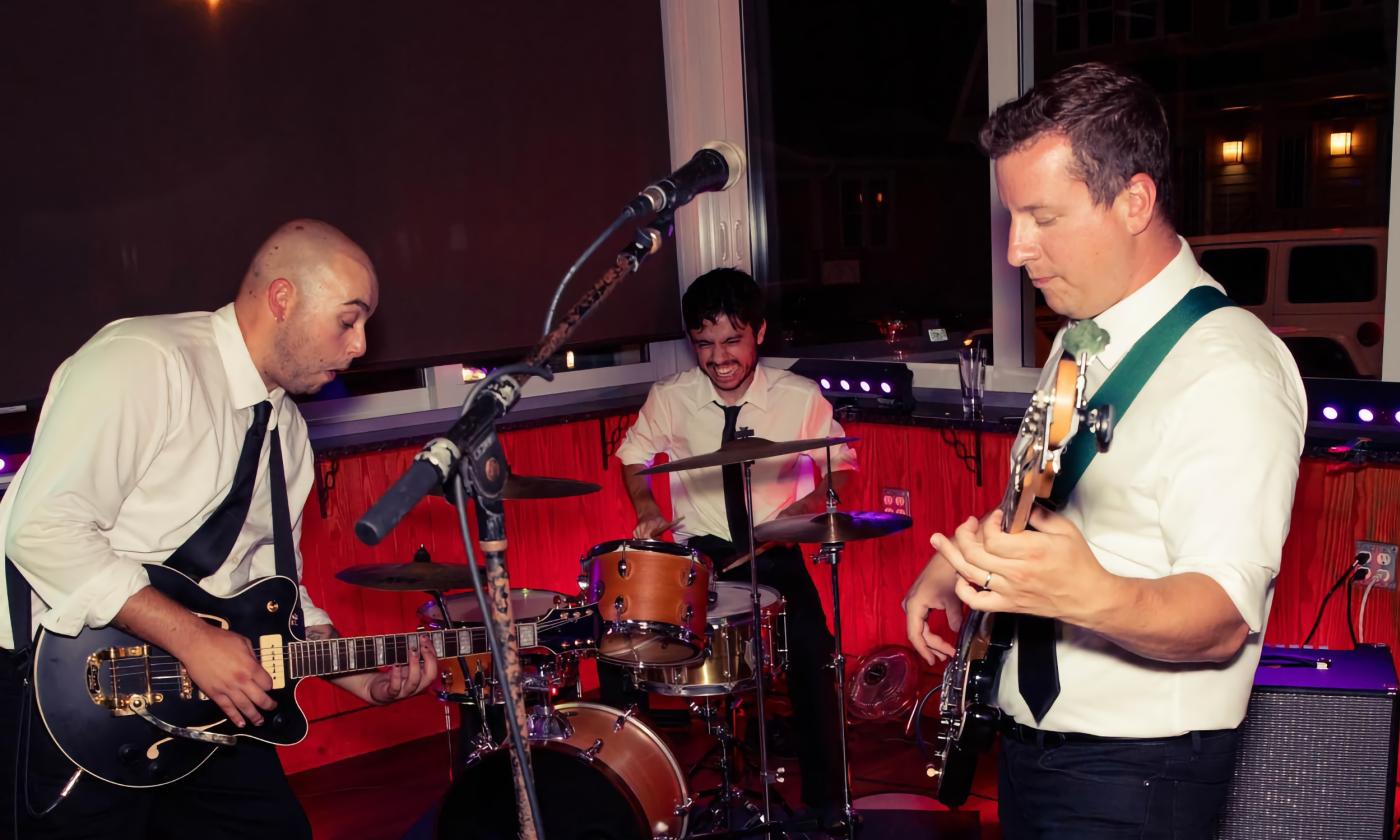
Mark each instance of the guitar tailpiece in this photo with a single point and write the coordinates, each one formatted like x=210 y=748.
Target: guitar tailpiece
x=138 y=705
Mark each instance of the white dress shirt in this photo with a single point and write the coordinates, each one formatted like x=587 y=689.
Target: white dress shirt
x=1199 y=478
x=136 y=446
x=682 y=417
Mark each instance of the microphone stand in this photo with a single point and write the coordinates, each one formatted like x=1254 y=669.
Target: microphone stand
x=470 y=457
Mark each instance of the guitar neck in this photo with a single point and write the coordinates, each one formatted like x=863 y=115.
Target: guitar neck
x=328 y=657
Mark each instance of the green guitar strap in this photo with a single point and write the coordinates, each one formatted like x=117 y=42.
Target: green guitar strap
x=1127 y=379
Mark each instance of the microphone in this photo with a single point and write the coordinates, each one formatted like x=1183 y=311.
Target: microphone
x=715 y=167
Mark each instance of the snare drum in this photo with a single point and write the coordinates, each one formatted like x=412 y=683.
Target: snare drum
x=652 y=599
x=728 y=666
x=611 y=777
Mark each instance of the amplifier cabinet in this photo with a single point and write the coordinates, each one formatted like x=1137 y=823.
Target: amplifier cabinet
x=1317 y=748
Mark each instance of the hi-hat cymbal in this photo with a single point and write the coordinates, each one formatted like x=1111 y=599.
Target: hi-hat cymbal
x=834 y=527
x=745 y=449
x=409 y=577
x=539 y=487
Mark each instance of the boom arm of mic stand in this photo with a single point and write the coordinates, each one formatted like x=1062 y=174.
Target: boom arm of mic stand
x=435 y=464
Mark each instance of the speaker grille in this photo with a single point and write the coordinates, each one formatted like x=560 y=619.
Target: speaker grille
x=1313 y=766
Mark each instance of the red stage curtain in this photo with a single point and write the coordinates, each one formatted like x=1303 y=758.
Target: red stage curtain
x=547 y=538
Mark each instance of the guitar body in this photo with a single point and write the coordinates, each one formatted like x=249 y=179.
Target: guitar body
x=968 y=715
x=80 y=681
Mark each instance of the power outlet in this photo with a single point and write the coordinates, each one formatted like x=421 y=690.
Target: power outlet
x=1378 y=559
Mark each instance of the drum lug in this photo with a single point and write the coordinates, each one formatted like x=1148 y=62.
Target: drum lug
x=622 y=567
x=691 y=574
x=687 y=614
x=583 y=583
x=592 y=752
x=622 y=718
x=619 y=606
x=684 y=806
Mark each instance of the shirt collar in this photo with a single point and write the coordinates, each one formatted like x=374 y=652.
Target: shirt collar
x=1130 y=318
x=756 y=395
x=245 y=385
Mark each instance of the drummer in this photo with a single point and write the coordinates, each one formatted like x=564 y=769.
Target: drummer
x=691 y=413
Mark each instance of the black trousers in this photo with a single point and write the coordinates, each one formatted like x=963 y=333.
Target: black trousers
x=1107 y=789
x=240 y=792
x=811 y=682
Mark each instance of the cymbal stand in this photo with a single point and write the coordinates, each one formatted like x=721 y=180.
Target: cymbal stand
x=830 y=554
x=755 y=595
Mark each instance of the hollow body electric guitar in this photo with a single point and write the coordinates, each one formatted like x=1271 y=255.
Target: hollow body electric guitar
x=968 y=716
x=128 y=713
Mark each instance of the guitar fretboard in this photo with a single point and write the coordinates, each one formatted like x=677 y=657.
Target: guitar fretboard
x=325 y=657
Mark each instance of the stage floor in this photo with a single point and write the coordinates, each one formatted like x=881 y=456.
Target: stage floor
x=388 y=794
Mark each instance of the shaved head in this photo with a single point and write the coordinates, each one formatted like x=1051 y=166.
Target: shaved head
x=303 y=304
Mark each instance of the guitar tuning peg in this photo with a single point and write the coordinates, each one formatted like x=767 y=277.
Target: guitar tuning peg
x=1100 y=423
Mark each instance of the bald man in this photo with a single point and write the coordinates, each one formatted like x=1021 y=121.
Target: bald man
x=137 y=445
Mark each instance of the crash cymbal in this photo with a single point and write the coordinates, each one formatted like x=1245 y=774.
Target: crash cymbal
x=409 y=577
x=745 y=449
x=834 y=527
x=539 y=487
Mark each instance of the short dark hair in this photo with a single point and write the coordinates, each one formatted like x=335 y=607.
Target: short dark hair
x=723 y=291
x=1114 y=122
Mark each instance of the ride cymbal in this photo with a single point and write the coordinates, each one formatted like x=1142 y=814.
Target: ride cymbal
x=834 y=527
x=745 y=449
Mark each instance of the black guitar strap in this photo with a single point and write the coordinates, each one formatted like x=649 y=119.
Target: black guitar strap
x=21 y=619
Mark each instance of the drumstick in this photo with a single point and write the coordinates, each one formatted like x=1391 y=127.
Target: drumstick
x=664 y=528
x=762 y=547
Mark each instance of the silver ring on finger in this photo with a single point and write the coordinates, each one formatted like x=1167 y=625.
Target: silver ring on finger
x=987 y=584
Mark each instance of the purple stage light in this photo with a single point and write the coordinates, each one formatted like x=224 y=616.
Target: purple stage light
x=826 y=383
x=845 y=386
x=865 y=386
x=1330 y=412
x=1366 y=415
x=885 y=386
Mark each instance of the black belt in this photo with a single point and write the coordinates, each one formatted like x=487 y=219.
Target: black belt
x=1047 y=739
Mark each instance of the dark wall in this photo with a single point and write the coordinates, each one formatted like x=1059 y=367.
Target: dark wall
x=474 y=149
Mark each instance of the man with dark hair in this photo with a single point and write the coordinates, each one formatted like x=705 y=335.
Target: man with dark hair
x=138 y=460
x=1142 y=603
x=688 y=414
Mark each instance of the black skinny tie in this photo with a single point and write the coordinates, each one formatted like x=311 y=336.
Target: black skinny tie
x=735 y=508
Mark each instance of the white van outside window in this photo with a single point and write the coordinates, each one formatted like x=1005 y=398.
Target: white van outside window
x=1321 y=291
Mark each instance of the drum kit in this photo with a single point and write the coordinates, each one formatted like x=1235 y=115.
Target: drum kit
x=656 y=609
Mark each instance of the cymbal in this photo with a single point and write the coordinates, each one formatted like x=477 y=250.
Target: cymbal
x=832 y=527
x=538 y=487
x=408 y=577
x=745 y=449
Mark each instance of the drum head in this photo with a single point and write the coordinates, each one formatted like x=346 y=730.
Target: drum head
x=464 y=609
x=579 y=801
x=734 y=605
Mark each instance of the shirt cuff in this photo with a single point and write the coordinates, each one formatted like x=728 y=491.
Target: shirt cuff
x=1247 y=586
x=312 y=615
x=98 y=600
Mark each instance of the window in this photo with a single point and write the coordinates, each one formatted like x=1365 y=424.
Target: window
x=1244 y=272
x=1331 y=274
x=863 y=120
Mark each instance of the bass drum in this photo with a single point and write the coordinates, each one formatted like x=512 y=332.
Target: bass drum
x=611 y=779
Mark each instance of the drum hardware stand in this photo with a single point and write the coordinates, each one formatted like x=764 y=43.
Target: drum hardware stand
x=720 y=723
x=830 y=554
x=756 y=612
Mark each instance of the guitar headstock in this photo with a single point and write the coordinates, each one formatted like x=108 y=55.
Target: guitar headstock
x=569 y=628
x=1057 y=412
